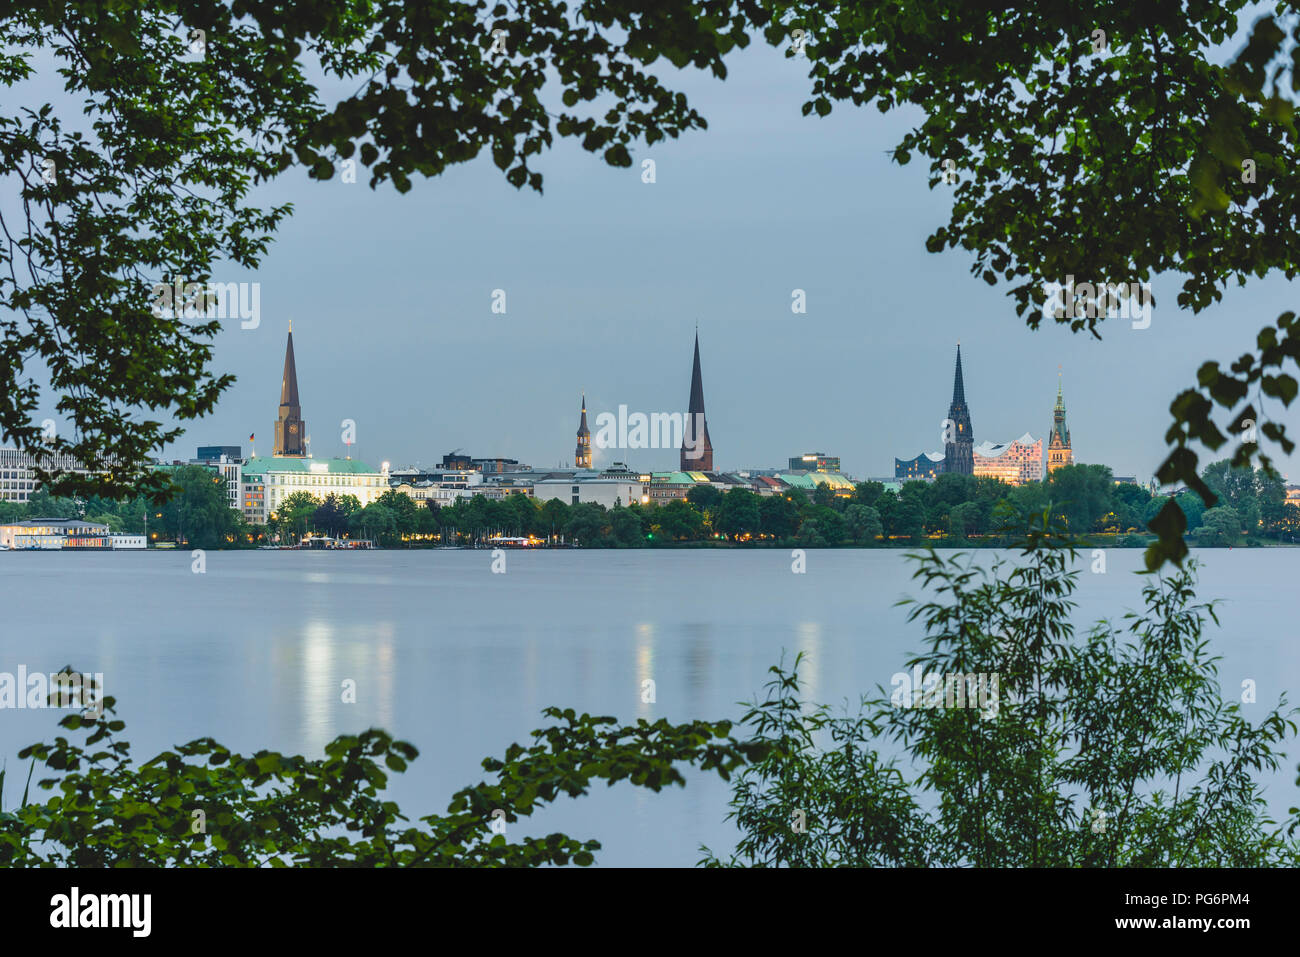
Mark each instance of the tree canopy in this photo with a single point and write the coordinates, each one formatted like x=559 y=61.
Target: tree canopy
x=1085 y=140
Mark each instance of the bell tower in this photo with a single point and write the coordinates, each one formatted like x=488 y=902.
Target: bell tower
x=1059 y=452
x=290 y=431
x=582 y=453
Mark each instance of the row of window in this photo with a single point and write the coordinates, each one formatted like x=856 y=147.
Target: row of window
x=320 y=480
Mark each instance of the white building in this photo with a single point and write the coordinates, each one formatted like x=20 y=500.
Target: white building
x=267 y=482
x=54 y=533
x=442 y=487
x=617 y=485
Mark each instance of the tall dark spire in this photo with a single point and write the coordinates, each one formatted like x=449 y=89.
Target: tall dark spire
x=289 y=427
x=958 y=387
x=582 y=454
x=959 y=438
x=289 y=382
x=696 y=455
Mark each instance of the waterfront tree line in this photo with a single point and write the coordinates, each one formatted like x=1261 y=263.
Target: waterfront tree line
x=962 y=509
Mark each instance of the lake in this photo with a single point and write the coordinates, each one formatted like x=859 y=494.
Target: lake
x=460 y=661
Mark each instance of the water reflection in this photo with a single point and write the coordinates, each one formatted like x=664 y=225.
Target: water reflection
x=317 y=692
x=699 y=668
x=443 y=656
x=382 y=677
x=645 y=663
x=808 y=641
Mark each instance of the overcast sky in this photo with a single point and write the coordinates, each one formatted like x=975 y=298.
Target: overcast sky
x=606 y=278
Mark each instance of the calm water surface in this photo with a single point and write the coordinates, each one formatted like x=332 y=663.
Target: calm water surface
x=460 y=661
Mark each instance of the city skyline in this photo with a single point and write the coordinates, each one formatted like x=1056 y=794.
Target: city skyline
x=606 y=276
x=290 y=437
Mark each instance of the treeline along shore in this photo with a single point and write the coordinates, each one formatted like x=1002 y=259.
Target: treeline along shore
x=954 y=509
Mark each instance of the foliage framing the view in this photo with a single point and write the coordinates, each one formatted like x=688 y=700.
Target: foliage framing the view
x=202 y=805
x=1117 y=750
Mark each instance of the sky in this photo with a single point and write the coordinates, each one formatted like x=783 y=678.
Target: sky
x=607 y=277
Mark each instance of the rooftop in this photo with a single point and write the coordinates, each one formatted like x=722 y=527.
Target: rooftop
x=989 y=451
x=810 y=480
x=55 y=523
x=263 y=464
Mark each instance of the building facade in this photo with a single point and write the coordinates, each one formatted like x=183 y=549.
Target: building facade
x=252 y=498
x=55 y=533
x=213 y=453
x=665 y=487
x=926 y=467
x=278 y=478
x=18 y=472
x=616 y=485
x=498 y=465
x=815 y=462
x=1014 y=463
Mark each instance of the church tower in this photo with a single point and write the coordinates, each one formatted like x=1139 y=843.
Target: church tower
x=289 y=428
x=959 y=439
x=582 y=454
x=1059 y=452
x=698 y=458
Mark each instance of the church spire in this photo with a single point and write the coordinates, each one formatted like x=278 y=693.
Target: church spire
x=289 y=427
x=958 y=386
x=289 y=381
x=959 y=438
x=582 y=454
x=697 y=451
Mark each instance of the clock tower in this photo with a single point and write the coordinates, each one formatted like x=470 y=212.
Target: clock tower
x=1059 y=452
x=290 y=431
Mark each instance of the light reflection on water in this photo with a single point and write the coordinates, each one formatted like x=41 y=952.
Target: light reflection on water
x=460 y=661
x=645 y=662
x=316 y=724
